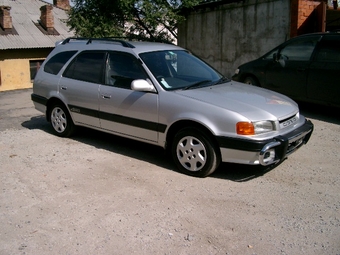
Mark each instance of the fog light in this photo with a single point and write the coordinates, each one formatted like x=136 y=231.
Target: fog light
x=269 y=156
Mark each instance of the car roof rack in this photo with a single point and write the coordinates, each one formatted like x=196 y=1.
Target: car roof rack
x=122 y=40
x=90 y=40
x=142 y=39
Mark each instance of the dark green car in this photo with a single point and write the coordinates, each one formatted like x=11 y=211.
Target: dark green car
x=305 y=68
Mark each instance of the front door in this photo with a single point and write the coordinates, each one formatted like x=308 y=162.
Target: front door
x=288 y=75
x=122 y=110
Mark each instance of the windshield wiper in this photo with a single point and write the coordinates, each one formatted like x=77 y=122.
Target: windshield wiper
x=222 y=80
x=196 y=84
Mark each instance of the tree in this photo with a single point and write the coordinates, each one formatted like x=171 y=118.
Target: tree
x=151 y=19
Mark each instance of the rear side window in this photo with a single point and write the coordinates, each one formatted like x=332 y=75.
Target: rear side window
x=87 y=66
x=329 y=50
x=55 y=63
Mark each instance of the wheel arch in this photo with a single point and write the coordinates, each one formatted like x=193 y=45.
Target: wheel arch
x=245 y=75
x=52 y=101
x=177 y=126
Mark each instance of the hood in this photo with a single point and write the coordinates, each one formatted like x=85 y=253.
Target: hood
x=252 y=102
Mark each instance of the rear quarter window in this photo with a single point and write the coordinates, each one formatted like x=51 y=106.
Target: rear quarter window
x=57 y=62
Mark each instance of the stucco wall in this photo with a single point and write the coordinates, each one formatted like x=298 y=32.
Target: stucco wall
x=231 y=34
x=15 y=67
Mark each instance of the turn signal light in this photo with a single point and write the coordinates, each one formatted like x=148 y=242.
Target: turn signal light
x=245 y=128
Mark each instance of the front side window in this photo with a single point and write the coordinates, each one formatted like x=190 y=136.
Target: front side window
x=179 y=69
x=87 y=66
x=270 y=55
x=122 y=69
x=300 y=50
x=57 y=62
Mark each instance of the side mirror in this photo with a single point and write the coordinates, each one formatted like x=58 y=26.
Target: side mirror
x=282 y=62
x=142 y=85
x=278 y=58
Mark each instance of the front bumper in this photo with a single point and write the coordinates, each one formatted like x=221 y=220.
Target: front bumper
x=265 y=152
x=285 y=145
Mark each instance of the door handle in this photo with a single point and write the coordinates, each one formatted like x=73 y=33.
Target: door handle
x=106 y=96
x=63 y=88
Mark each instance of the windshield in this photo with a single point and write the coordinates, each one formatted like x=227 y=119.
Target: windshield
x=180 y=70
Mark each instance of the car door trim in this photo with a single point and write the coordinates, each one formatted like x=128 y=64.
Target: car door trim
x=154 y=126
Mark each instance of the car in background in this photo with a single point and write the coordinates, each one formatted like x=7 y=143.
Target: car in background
x=305 y=68
x=163 y=95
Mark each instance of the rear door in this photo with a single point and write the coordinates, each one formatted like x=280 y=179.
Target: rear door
x=122 y=110
x=79 y=86
x=324 y=78
x=289 y=74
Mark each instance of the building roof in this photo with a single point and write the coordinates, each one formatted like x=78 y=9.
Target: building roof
x=25 y=20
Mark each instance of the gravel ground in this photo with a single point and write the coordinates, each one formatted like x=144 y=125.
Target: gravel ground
x=100 y=194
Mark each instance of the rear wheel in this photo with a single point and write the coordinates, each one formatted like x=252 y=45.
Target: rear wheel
x=251 y=81
x=61 y=121
x=194 y=153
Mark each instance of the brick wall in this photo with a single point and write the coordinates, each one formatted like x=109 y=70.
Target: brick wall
x=63 y=4
x=305 y=16
x=47 y=18
x=5 y=17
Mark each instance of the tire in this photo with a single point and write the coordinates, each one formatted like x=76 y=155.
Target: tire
x=194 y=153
x=251 y=81
x=61 y=121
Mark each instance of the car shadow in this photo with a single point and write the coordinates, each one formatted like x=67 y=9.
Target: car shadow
x=320 y=112
x=124 y=146
x=37 y=122
x=146 y=152
x=157 y=156
x=241 y=173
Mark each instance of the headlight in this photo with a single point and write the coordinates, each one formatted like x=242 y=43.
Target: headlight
x=237 y=71
x=254 y=128
x=263 y=126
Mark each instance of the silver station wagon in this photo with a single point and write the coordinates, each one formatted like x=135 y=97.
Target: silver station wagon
x=163 y=95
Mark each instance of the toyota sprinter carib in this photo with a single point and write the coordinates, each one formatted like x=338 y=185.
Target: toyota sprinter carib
x=163 y=95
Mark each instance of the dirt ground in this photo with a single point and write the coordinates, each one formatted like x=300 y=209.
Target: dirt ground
x=100 y=194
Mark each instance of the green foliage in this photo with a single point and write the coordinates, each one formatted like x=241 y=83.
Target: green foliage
x=151 y=19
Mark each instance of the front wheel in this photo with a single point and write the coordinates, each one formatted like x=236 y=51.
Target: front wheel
x=61 y=121
x=251 y=81
x=194 y=153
